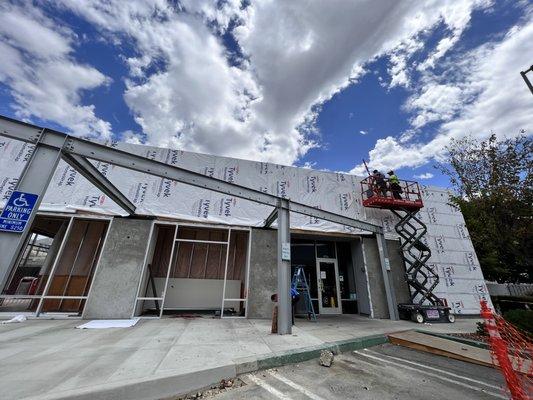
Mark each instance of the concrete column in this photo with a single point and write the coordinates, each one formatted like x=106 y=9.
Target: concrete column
x=284 y=269
x=116 y=279
x=35 y=178
x=263 y=281
x=387 y=279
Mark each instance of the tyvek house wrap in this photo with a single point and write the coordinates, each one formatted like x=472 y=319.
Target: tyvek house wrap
x=453 y=255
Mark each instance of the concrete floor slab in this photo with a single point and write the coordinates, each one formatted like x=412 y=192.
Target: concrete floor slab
x=51 y=359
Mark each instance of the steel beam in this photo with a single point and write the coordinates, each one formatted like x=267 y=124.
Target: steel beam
x=284 y=269
x=35 y=178
x=91 y=173
x=271 y=218
x=25 y=132
x=299 y=208
x=387 y=278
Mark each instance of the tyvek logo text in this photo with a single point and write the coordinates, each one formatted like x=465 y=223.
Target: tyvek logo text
x=202 y=208
x=7 y=187
x=68 y=177
x=226 y=206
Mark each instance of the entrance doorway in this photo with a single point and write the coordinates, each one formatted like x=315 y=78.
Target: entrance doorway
x=339 y=262
x=328 y=286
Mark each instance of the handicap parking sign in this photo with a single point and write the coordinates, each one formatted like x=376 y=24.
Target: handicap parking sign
x=17 y=211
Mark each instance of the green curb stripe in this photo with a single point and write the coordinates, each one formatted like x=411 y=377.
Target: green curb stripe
x=309 y=353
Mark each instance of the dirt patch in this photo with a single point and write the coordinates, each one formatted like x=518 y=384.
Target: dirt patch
x=470 y=336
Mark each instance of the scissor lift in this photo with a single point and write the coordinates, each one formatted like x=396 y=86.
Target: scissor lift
x=422 y=280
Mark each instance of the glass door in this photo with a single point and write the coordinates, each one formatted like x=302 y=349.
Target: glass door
x=328 y=286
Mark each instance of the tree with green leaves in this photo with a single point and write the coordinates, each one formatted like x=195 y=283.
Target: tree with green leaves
x=492 y=180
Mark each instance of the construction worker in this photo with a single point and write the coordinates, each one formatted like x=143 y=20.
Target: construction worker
x=379 y=181
x=394 y=185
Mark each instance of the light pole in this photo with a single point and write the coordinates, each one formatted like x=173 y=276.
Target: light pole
x=528 y=83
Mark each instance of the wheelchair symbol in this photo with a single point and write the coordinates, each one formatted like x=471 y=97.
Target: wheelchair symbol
x=21 y=201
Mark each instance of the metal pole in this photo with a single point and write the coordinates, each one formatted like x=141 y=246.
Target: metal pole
x=528 y=83
x=34 y=179
x=387 y=278
x=284 y=269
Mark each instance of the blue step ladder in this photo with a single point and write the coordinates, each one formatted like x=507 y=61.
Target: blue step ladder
x=299 y=282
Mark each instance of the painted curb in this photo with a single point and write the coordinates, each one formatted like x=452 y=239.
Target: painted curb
x=251 y=364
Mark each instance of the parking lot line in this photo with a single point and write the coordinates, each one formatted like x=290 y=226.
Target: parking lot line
x=294 y=385
x=268 y=388
x=431 y=374
x=440 y=371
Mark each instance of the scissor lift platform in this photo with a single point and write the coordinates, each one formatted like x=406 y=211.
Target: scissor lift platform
x=374 y=197
x=422 y=280
x=392 y=204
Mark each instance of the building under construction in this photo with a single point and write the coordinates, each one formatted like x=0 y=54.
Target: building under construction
x=126 y=230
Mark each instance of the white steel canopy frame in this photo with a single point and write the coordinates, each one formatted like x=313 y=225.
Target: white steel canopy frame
x=51 y=144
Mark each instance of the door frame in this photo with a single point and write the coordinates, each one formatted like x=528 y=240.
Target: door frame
x=328 y=310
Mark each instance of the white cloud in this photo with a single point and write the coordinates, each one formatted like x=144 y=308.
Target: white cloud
x=44 y=79
x=434 y=102
x=484 y=93
x=363 y=132
x=453 y=15
x=399 y=58
x=184 y=91
x=196 y=100
x=443 y=46
x=309 y=165
x=457 y=18
x=388 y=154
x=427 y=175
x=296 y=56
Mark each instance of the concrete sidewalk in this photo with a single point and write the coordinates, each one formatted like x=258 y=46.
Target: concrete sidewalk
x=157 y=358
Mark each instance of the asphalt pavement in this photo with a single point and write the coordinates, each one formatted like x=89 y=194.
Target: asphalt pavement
x=381 y=372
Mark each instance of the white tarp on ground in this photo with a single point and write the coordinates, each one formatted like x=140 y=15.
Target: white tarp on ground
x=109 y=323
x=462 y=282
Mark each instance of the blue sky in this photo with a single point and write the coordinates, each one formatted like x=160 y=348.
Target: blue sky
x=320 y=85
x=377 y=111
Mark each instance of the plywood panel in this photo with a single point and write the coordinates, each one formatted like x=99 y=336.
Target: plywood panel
x=89 y=248
x=215 y=262
x=71 y=248
x=75 y=268
x=443 y=347
x=162 y=251
x=182 y=258
x=199 y=258
x=78 y=263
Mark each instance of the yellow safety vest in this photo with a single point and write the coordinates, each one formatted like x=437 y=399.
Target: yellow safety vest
x=394 y=179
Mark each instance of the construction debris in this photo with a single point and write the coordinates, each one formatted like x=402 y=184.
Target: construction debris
x=326 y=358
x=223 y=386
x=15 y=319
